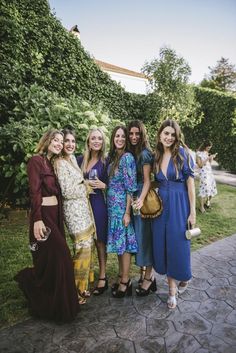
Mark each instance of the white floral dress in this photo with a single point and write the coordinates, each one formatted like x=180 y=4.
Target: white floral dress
x=207 y=185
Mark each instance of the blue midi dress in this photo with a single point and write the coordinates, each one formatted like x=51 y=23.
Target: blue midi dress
x=143 y=227
x=121 y=239
x=98 y=201
x=171 y=249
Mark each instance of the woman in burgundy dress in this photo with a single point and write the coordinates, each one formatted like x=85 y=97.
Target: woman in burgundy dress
x=94 y=159
x=49 y=286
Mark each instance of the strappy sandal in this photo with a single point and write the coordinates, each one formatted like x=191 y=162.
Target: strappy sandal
x=82 y=301
x=172 y=298
x=115 y=285
x=101 y=290
x=183 y=285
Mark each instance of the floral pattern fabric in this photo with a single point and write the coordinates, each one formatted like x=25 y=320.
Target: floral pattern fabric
x=120 y=238
x=207 y=185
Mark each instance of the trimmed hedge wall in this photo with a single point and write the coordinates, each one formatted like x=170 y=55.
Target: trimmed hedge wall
x=218 y=125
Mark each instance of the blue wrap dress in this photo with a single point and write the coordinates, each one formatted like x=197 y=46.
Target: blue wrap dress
x=121 y=239
x=171 y=249
x=143 y=227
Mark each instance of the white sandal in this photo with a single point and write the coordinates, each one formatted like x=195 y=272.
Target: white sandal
x=172 y=298
x=183 y=285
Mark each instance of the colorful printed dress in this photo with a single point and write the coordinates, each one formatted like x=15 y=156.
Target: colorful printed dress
x=207 y=184
x=143 y=227
x=98 y=200
x=121 y=239
x=78 y=218
x=171 y=249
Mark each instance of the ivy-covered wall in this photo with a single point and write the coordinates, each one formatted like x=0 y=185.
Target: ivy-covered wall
x=36 y=48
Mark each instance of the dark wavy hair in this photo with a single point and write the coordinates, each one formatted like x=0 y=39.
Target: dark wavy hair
x=143 y=142
x=206 y=143
x=114 y=156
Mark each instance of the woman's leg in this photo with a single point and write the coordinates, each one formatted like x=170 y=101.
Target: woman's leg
x=172 y=302
x=202 y=209
x=102 y=259
x=125 y=267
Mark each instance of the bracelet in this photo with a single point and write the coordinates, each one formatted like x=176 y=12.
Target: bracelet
x=127 y=213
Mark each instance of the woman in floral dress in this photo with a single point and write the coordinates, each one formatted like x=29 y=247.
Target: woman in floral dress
x=78 y=214
x=122 y=183
x=207 y=185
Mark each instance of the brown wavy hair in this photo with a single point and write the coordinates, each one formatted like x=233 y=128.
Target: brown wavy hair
x=175 y=148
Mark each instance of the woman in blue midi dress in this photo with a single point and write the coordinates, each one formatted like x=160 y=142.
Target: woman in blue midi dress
x=122 y=184
x=139 y=146
x=94 y=158
x=173 y=167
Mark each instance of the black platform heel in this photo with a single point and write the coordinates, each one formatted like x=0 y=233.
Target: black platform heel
x=120 y=294
x=101 y=290
x=115 y=285
x=141 y=292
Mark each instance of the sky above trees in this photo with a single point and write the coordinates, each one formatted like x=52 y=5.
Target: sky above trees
x=128 y=33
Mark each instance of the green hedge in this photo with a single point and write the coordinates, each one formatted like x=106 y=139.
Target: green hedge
x=218 y=125
x=36 y=48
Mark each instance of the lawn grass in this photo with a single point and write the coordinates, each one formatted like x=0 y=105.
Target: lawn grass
x=216 y=223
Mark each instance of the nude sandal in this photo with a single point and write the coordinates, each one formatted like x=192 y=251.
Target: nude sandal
x=172 y=298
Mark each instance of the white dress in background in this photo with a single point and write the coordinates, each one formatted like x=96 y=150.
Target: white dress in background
x=207 y=185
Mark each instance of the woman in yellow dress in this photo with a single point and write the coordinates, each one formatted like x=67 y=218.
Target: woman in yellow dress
x=78 y=214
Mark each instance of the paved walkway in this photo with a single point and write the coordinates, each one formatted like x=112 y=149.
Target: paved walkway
x=204 y=321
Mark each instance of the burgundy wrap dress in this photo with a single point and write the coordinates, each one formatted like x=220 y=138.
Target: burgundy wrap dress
x=49 y=286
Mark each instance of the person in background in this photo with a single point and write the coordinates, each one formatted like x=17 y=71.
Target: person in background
x=78 y=214
x=94 y=159
x=139 y=146
x=173 y=167
x=207 y=184
x=49 y=286
x=122 y=184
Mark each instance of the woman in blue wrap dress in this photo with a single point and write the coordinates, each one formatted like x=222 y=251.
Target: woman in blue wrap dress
x=173 y=167
x=139 y=146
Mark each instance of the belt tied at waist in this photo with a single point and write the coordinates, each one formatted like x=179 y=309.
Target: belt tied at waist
x=177 y=185
x=49 y=201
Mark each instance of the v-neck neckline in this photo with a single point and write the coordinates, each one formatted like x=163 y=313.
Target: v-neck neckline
x=87 y=171
x=166 y=176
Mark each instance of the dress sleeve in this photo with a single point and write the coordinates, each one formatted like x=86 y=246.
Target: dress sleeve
x=71 y=187
x=188 y=166
x=127 y=168
x=34 y=169
x=146 y=157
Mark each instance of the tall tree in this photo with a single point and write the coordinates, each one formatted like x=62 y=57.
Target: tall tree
x=171 y=95
x=222 y=76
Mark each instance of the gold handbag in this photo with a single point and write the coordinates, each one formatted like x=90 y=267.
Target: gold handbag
x=152 y=204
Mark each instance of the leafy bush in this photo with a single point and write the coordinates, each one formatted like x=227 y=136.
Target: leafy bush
x=36 y=111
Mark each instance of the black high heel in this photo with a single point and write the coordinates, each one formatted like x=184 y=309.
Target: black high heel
x=141 y=292
x=115 y=285
x=101 y=290
x=120 y=293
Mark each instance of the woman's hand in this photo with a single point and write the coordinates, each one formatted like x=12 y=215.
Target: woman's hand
x=126 y=219
x=97 y=184
x=139 y=203
x=192 y=218
x=39 y=228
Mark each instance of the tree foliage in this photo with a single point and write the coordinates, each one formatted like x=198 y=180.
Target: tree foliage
x=172 y=96
x=222 y=77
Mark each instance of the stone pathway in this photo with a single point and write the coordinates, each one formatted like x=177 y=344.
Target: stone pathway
x=204 y=321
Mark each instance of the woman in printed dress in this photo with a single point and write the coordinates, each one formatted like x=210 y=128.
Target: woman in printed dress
x=78 y=214
x=139 y=146
x=122 y=184
x=49 y=286
x=94 y=158
x=207 y=184
x=173 y=167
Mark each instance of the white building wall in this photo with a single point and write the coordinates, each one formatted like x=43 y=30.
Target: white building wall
x=130 y=83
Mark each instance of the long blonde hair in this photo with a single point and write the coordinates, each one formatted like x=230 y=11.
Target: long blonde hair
x=87 y=153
